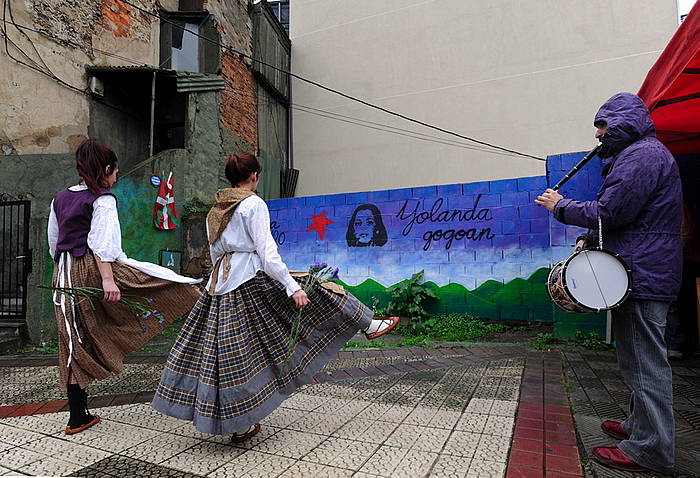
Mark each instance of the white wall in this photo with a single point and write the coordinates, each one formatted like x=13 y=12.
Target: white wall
x=528 y=76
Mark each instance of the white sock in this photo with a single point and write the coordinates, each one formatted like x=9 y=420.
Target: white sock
x=247 y=430
x=377 y=325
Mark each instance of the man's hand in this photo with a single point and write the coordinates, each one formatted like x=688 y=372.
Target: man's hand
x=579 y=245
x=549 y=199
x=300 y=298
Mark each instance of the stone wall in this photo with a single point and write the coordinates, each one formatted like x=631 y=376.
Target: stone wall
x=42 y=114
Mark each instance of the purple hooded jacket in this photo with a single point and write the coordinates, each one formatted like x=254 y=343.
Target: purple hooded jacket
x=639 y=203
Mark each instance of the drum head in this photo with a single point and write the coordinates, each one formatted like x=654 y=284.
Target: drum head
x=596 y=279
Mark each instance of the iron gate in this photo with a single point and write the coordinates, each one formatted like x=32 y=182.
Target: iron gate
x=15 y=259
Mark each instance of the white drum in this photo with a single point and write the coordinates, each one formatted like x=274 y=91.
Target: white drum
x=590 y=280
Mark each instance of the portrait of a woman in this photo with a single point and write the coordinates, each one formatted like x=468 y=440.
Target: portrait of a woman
x=366 y=227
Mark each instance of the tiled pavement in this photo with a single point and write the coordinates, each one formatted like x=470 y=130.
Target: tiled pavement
x=454 y=412
x=597 y=392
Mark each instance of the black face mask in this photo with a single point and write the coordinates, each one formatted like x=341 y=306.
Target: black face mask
x=606 y=151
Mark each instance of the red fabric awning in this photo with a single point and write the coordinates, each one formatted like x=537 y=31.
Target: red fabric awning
x=671 y=89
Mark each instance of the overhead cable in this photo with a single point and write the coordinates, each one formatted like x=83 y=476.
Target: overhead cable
x=333 y=90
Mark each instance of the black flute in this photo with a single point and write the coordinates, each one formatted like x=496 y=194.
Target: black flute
x=578 y=166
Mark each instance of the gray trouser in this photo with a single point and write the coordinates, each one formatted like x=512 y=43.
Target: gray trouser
x=639 y=326
x=675 y=338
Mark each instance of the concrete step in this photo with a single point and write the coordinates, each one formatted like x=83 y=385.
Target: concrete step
x=11 y=329
x=10 y=345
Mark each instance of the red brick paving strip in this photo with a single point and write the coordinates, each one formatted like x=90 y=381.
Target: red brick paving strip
x=544 y=442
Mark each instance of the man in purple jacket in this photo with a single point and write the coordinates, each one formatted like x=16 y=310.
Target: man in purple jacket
x=640 y=207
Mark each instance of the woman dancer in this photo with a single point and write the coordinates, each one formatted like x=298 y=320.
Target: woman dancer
x=85 y=243
x=229 y=367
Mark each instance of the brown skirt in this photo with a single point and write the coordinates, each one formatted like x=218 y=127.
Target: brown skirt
x=110 y=331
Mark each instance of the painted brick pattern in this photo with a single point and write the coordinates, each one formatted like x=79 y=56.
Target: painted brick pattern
x=508 y=221
x=474 y=241
x=583 y=186
x=485 y=245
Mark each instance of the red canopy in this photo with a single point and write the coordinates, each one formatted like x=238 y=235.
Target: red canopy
x=671 y=89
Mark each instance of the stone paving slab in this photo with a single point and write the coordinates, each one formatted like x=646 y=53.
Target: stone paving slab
x=33 y=380
x=488 y=411
x=397 y=425
x=598 y=393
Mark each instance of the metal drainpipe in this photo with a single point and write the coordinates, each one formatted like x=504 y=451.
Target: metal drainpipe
x=153 y=114
x=290 y=130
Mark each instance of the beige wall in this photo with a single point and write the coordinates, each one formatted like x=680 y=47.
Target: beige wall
x=528 y=76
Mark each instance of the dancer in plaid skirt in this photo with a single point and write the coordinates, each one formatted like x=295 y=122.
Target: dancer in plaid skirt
x=229 y=367
x=85 y=242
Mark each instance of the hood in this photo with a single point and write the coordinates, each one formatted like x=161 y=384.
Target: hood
x=225 y=203
x=628 y=121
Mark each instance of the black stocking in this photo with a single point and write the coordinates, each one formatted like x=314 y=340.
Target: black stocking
x=77 y=404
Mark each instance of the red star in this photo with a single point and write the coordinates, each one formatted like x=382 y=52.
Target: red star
x=319 y=222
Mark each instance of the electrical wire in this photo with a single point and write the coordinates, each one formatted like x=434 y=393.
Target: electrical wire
x=36 y=66
x=396 y=130
x=243 y=93
x=75 y=44
x=372 y=125
x=335 y=91
x=366 y=123
x=49 y=73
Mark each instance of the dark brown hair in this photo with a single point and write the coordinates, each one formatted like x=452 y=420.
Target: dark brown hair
x=91 y=160
x=239 y=167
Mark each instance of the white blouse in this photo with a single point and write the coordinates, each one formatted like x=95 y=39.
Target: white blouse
x=105 y=239
x=248 y=237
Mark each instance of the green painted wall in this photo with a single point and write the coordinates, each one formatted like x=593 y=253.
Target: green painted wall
x=38 y=178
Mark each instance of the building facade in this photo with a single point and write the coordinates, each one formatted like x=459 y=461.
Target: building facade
x=527 y=76
x=170 y=86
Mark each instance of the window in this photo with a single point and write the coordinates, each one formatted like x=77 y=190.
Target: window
x=281 y=9
x=182 y=49
x=184 y=53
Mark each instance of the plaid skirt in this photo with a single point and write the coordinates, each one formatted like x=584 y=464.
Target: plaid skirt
x=103 y=333
x=227 y=369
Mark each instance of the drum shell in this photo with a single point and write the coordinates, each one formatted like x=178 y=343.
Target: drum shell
x=561 y=295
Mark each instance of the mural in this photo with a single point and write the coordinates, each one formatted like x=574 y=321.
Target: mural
x=486 y=249
x=140 y=239
x=366 y=228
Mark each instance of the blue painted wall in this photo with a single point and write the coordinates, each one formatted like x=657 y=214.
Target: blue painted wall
x=484 y=246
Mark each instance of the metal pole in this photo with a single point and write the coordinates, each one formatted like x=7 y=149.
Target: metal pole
x=290 y=126
x=4 y=260
x=153 y=114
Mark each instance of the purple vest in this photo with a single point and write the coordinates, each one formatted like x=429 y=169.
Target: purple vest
x=74 y=214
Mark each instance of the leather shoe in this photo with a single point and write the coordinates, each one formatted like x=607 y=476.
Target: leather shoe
x=250 y=433
x=613 y=457
x=614 y=429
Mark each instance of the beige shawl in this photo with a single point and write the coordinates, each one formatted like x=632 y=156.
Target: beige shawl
x=225 y=203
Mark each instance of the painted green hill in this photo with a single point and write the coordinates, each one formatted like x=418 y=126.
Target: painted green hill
x=488 y=288
x=519 y=299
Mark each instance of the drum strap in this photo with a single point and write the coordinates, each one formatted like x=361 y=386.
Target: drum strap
x=600 y=234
